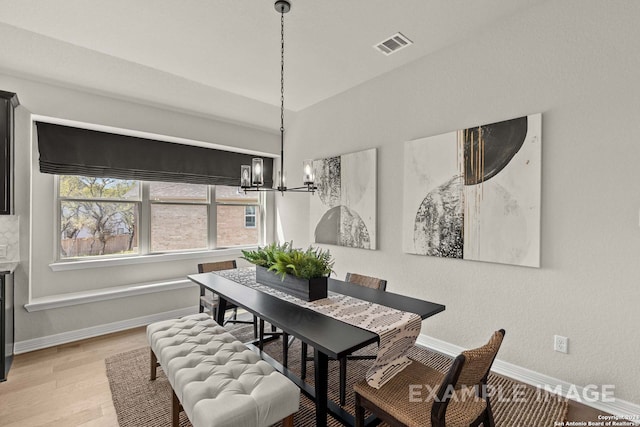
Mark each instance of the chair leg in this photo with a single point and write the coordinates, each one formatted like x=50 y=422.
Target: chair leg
x=488 y=421
x=288 y=422
x=202 y=293
x=175 y=410
x=343 y=380
x=359 y=412
x=303 y=361
x=153 y=365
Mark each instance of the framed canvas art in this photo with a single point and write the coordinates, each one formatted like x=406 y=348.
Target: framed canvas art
x=343 y=212
x=474 y=193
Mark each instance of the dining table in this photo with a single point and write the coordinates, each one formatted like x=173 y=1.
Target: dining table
x=329 y=337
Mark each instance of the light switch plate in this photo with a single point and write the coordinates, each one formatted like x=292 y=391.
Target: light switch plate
x=3 y=251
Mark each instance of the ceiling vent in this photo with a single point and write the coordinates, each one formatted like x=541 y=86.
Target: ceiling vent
x=393 y=44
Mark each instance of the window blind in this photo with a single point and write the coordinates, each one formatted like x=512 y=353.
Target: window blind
x=66 y=150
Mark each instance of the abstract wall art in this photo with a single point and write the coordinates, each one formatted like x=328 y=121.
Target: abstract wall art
x=474 y=194
x=343 y=211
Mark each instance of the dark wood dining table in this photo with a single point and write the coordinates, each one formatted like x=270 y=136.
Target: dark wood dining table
x=329 y=337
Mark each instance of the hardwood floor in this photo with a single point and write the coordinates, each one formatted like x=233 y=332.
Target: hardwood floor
x=67 y=385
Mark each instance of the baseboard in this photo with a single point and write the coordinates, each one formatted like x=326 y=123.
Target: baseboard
x=617 y=407
x=94 y=331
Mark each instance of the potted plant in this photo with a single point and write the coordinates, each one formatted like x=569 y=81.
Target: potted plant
x=301 y=273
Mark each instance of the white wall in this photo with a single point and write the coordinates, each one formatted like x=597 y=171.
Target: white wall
x=576 y=62
x=35 y=196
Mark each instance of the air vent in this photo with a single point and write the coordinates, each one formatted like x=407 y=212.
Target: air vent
x=393 y=44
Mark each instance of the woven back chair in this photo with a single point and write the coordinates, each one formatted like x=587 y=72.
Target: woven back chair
x=461 y=399
x=211 y=301
x=367 y=282
x=208 y=267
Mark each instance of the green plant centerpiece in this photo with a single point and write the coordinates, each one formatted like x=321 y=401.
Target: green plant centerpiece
x=301 y=273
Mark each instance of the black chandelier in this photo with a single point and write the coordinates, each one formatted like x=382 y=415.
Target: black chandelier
x=252 y=177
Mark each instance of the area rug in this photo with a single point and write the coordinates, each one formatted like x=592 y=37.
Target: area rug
x=143 y=403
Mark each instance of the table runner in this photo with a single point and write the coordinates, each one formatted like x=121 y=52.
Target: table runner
x=398 y=330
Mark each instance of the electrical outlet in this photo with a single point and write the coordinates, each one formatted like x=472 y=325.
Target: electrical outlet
x=3 y=251
x=561 y=344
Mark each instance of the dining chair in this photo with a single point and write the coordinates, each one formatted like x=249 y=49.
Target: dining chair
x=360 y=280
x=461 y=398
x=210 y=300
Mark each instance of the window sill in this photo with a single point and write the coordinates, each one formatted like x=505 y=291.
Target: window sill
x=144 y=259
x=97 y=295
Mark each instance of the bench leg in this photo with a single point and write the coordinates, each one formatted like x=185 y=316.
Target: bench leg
x=153 y=365
x=288 y=422
x=175 y=410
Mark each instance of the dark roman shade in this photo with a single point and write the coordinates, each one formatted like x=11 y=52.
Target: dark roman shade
x=68 y=150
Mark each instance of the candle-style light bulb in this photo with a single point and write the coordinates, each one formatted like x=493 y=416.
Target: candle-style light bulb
x=245 y=176
x=307 y=172
x=258 y=169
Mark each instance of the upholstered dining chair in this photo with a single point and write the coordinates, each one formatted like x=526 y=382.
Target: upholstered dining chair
x=210 y=300
x=356 y=279
x=461 y=398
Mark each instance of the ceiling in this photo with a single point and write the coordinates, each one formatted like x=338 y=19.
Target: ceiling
x=225 y=48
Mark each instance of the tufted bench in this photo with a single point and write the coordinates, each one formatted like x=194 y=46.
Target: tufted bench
x=216 y=379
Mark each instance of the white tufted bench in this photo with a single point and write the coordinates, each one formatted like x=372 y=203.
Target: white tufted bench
x=217 y=379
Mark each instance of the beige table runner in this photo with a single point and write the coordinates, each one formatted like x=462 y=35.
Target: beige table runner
x=397 y=329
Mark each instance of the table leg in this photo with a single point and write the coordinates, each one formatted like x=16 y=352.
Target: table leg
x=343 y=380
x=222 y=309
x=321 y=371
x=303 y=361
x=285 y=349
x=261 y=335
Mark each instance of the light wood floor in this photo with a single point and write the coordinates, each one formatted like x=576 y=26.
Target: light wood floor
x=67 y=385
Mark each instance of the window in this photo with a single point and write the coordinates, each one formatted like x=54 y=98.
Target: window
x=250 y=216
x=179 y=216
x=105 y=216
x=98 y=216
x=231 y=212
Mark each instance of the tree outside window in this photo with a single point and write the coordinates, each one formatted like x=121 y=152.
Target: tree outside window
x=98 y=216
x=104 y=216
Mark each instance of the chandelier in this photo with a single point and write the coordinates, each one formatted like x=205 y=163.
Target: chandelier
x=252 y=176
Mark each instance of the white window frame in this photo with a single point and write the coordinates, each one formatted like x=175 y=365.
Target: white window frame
x=58 y=207
x=253 y=215
x=144 y=233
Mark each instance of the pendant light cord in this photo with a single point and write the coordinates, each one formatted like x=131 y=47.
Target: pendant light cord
x=282 y=98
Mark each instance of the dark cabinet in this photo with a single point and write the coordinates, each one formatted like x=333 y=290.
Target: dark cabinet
x=8 y=103
x=6 y=323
